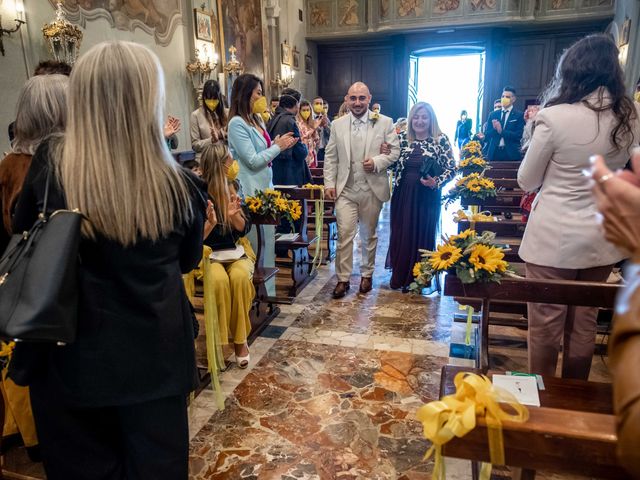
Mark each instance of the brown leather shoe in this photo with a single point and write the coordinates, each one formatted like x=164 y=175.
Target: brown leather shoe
x=366 y=285
x=341 y=289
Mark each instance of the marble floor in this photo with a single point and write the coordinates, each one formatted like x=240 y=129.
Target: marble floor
x=333 y=386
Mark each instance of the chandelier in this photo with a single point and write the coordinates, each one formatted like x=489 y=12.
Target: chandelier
x=63 y=38
x=201 y=68
x=233 y=66
x=284 y=80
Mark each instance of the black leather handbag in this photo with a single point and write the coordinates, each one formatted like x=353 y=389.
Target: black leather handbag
x=38 y=279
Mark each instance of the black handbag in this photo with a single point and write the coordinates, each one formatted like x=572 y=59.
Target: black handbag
x=39 y=279
x=430 y=167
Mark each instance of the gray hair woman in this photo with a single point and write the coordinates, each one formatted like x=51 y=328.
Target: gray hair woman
x=41 y=111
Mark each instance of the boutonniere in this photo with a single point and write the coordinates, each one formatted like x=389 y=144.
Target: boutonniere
x=374 y=117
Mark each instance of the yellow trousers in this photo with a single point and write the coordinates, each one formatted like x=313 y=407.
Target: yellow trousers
x=234 y=293
x=18 y=416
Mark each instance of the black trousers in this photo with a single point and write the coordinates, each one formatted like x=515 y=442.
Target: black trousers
x=500 y=155
x=320 y=156
x=147 y=441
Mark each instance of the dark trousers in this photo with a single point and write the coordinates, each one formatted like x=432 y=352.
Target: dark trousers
x=147 y=441
x=500 y=155
x=320 y=156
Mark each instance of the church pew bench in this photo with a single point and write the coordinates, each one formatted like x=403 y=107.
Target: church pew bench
x=513 y=228
x=572 y=432
x=515 y=292
x=301 y=261
x=504 y=201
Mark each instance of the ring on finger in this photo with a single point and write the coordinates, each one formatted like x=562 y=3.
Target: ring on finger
x=604 y=178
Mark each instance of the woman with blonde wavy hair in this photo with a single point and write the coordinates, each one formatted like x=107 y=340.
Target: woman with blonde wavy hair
x=426 y=163
x=112 y=405
x=232 y=278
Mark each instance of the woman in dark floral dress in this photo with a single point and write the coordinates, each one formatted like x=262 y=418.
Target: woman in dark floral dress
x=426 y=163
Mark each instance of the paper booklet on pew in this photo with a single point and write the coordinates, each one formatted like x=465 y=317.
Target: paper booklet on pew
x=525 y=389
x=227 y=256
x=286 y=237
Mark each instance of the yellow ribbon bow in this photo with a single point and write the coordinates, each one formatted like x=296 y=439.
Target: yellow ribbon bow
x=455 y=415
x=461 y=216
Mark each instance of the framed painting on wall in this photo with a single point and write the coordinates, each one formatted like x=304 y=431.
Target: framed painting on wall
x=285 y=54
x=241 y=26
x=204 y=25
x=308 y=62
x=295 y=56
x=626 y=28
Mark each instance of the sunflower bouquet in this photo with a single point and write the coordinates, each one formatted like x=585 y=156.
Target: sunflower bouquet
x=472 y=189
x=272 y=205
x=472 y=160
x=472 y=257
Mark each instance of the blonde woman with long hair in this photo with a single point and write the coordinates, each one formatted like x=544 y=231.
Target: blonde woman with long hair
x=426 y=163
x=232 y=279
x=113 y=404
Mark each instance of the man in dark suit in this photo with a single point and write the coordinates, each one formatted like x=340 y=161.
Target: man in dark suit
x=504 y=129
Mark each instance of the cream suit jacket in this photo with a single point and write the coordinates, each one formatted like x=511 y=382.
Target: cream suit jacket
x=564 y=230
x=337 y=154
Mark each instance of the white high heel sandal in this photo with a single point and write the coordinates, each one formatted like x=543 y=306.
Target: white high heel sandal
x=243 y=362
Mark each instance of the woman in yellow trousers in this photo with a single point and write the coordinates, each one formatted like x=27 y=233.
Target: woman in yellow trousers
x=233 y=270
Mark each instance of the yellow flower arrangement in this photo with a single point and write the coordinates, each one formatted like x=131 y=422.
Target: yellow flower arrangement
x=487 y=258
x=444 y=257
x=473 y=258
x=274 y=204
x=472 y=148
x=471 y=159
x=474 y=188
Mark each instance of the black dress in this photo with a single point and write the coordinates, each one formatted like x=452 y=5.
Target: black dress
x=415 y=209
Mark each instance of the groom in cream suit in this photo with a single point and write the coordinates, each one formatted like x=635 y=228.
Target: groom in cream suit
x=355 y=176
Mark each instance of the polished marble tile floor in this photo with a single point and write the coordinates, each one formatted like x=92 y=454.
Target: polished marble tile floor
x=333 y=386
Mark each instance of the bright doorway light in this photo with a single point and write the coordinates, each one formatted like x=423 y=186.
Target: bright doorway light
x=450 y=84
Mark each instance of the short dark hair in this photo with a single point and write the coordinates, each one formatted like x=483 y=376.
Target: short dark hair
x=275 y=98
x=318 y=98
x=463 y=112
x=509 y=88
x=51 y=67
x=190 y=164
x=293 y=92
x=288 y=101
x=497 y=100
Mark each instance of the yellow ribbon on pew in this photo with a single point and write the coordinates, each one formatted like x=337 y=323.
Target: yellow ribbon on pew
x=215 y=356
x=462 y=215
x=455 y=415
x=319 y=225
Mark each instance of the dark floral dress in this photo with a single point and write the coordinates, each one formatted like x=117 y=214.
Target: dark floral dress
x=415 y=209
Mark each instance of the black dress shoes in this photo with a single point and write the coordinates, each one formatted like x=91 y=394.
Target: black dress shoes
x=341 y=289
x=366 y=285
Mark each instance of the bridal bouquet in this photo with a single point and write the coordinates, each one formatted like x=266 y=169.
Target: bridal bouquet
x=471 y=189
x=472 y=257
x=272 y=204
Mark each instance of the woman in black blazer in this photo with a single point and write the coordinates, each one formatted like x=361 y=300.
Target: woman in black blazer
x=112 y=405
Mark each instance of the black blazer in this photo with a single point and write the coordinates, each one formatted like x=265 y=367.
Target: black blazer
x=135 y=335
x=289 y=167
x=511 y=132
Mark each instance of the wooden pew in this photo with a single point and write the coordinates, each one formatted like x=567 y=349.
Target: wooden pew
x=515 y=292
x=573 y=431
x=301 y=262
x=505 y=201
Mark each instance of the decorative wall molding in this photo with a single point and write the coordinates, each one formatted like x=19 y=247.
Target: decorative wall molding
x=328 y=18
x=157 y=18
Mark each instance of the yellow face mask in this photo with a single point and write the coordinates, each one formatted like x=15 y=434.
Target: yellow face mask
x=260 y=105
x=305 y=114
x=211 y=103
x=317 y=108
x=326 y=110
x=505 y=102
x=636 y=96
x=233 y=170
x=266 y=116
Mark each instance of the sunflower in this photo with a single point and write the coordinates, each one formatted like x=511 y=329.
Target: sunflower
x=444 y=257
x=478 y=161
x=474 y=185
x=417 y=269
x=463 y=235
x=282 y=204
x=254 y=204
x=486 y=183
x=295 y=210
x=490 y=259
x=272 y=192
